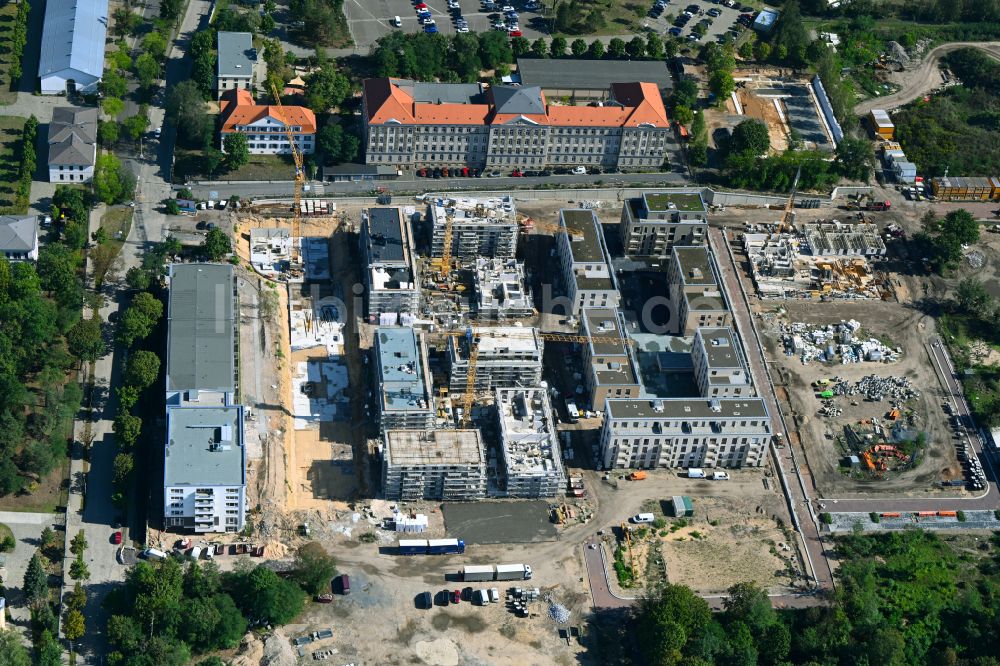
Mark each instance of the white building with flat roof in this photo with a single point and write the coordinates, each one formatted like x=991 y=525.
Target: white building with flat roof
x=508 y=357
x=719 y=367
x=584 y=263
x=531 y=464
x=501 y=293
x=403 y=379
x=389 y=260
x=442 y=465
x=484 y=227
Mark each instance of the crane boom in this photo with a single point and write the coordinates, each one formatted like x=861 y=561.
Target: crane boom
x=300 y=174
x=786 y=218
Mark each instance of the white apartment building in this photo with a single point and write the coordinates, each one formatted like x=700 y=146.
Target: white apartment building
x=652 y=224
x=685 y=432
x=204 y=478
x=508 y=357
x=611 y=369
x=531 y=465
x=391 y=282
x=72 y=144
x=697 y=297
x=237 y=60
x=266 y=127
x=584 y=264
x=719 y=367
x=479 y=227
x=439 y=465
x=403 y=379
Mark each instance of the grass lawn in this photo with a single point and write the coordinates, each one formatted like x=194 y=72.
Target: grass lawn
x=621 y=17
x=8 y=12
x=51 y=493
x=10 y=159
x=116 y=223
x=264 y=167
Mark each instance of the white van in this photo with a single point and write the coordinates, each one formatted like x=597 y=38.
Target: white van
x=196 y=553
x=696 y=473
x=720 y=476
x=396 y=21
x=154 y=554
x=483 y=597
x=642 y=518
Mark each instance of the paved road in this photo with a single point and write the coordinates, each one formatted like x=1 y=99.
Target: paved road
x=927 y=77
x=597 y=573
x=795 y=487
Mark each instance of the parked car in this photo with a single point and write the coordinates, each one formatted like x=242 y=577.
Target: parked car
x=116 y=538
x=494 y=595
x=426 y=601
x=514 y=33
x=580 y=170
x=640 y=518
x=676 y=32
x=456 y=596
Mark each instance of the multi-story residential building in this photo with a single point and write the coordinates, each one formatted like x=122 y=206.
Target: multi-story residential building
x=531 y=464
x=412 y=124
x=391 y=282
x=500 y=291
x=440 y=465
x=204 y=477
x=404 y=379
x=584 y=264
x=719 y=367
x=72 y=144
x=19 y=238
x=685 y=432
x=236 y=62
x=654 y=223
x=696 y=295
x=201 y=335
x=508 y=357
x=479 y=227
x=204 y=484
x=265 y=125
x=611 y=370
x=71 y=58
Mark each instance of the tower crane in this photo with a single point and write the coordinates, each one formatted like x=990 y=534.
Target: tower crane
x=300 y=175
x=788 y=216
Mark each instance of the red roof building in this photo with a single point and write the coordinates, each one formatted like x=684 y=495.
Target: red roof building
x=265 y=125
x=409 y=123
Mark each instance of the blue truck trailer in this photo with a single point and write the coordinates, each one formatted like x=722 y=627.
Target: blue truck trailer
x=431 y=547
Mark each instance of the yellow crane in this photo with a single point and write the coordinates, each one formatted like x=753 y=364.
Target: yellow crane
x=471 y=336
x=551 y=227
x=788 y=216
x=300 y=174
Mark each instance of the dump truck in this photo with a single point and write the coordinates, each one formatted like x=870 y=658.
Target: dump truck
x=485 y=572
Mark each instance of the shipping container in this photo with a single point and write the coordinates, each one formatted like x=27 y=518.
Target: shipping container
x=474 y=573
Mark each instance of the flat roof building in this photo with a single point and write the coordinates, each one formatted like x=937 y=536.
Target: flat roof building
x=204 y=463
x=720 y=369
x=507 y=357
x=584 y=262
x=404 y=379
x=696 y=294
x=500 y=290
x=589 y=80
x=71 y=59
x=441 y=465
x=201 y=339
x=531 y=457
x=484 y=227
x=652 y=224
x=236 y=61
x=612 y=372
x=391 y=281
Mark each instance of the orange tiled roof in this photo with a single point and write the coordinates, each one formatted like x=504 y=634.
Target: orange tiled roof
x=238 y=108
x=645 y=102
x=385 y=101
x=450 y=114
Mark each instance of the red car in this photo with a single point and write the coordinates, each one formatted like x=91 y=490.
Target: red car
x=516 y=173
x=420 y=5
x=422 y=173
x=514 y=33
x=117 y=538
x=456 y=596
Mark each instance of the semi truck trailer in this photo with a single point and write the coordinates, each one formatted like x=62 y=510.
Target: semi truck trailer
x=431 y=547
x=487 y=572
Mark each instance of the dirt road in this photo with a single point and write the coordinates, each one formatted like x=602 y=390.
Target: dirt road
x=923 y=79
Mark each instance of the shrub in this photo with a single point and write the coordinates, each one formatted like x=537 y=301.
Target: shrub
x=960 y=515
x=825 y=518
x=875 y=517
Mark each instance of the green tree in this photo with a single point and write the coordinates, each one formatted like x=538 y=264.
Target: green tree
x=636 y=47
x=73 y=625
x=685 y=93
x=520 y=47
x=748 y=603
x=128 y=396
x=722 y=84
x=78 y=570
x=616 y=48
x=136 y=125
x=36 y=581
x=314 y=567
x=328 y=88
x=578 y=48
x=77 y=598
x=266 y=595
x=654 y=46
x=211 y=161
x=855 y=158
x=147 y=70
x=112 y=107
x=596 y=50
x=107 y=133
x=683 y=115
x=539 y=48
x=185 y=107
x=557 y=49
x=113 y=84
x=564 y=17
x=12 y=650
x=670 y=48
x=495 y=49
x=790 y=35
x=127 y=428
x=155 y=44
x=237 y=150
x=142 y=369
x=171 y=9
x=336 y=145
x=751 y=136
x=138 y=279
x=86 y=340
x=78 y=545
x=171 y=207
x=267 y=24
x=216 y=245
x=762 y=51
x=973 y=298
x=112 y=182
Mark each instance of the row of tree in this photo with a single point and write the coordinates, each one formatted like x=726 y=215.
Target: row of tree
x=26 y=166
x=18 y=40
x=167 y=611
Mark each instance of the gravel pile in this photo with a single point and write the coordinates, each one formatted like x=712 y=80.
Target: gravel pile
x=559 y=613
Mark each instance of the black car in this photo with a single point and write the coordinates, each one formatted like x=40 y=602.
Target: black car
x=437 y=172
x=692 y=8
x=545 y=172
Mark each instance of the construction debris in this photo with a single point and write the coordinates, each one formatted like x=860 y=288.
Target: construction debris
x=559 y=613
x=835 y=341
x=876 y=389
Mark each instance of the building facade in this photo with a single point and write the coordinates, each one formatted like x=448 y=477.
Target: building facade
x=265 y=125
x=71 y=59
x=478 y=227
x=501 y=294
x=391 y=280
x=720 y=369
x=507 y=357
x=403 y=379
x=19 y=238
x=439 y=465
x=531 y=464
x=696 y=294
x=584 y=263
x=411 y=124
x=685 y=432
x=72 y=144
x=654 y=223
x=611 y=369
x=237 y=60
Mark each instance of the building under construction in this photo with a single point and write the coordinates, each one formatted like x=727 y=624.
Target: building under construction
x=440 y=465
x=403 y=379
x=478 y=227
x=500 y=290
x=531 y=459
x=834 y=238
x=507 y=357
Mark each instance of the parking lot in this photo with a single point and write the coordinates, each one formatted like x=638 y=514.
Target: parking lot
x=726 y=21
x=371 y=19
